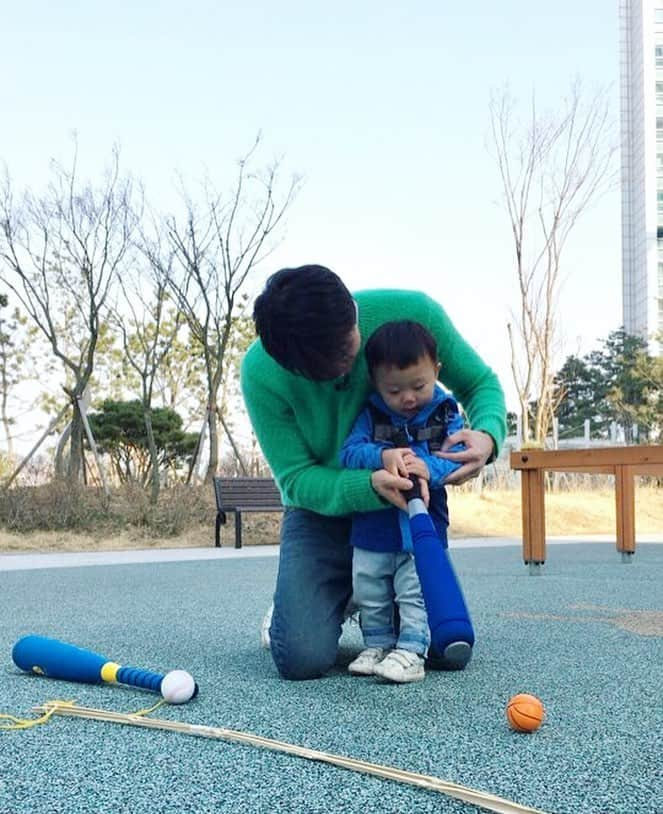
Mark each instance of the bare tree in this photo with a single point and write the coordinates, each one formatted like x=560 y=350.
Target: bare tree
x=19 y=352
x=217 y=246
x=241 y=335
x=179 y=383
x=148 y=332
x=61 y=253
x=552 y=169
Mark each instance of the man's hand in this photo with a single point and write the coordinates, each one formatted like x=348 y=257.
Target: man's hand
x=391 y=487
x=479 y=446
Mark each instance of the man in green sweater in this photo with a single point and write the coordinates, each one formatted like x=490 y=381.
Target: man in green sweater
x=304 y=381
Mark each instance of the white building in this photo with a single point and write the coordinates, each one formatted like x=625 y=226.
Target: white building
x=641 y=69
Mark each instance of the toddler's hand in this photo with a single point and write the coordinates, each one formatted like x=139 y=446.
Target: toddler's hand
x=395 y=460
x=417 y=466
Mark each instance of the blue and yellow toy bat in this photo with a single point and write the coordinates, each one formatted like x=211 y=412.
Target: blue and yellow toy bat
x=55 y=659
x=452 y=634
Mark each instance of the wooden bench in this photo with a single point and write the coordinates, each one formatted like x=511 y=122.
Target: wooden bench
x=243 y=495
x=622 y=462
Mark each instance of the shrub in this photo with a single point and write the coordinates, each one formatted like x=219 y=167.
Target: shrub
x=57 y=506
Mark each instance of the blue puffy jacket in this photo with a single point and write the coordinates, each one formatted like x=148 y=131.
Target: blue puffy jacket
x=388 y=529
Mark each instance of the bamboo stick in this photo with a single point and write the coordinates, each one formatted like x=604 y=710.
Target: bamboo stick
x=489 y=802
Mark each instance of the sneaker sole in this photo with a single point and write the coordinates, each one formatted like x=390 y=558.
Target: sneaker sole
x=361 y=671
x=404 y=680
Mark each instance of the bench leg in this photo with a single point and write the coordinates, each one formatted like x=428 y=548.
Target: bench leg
x=625 y=506
x=238 y=529
x=534 y=519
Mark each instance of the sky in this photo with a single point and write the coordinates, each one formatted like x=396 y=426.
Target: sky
x=382 y=107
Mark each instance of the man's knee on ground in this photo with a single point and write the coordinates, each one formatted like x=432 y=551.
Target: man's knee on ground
x=301 y=660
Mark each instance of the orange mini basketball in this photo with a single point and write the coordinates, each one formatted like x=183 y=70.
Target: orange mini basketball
x=525 y=713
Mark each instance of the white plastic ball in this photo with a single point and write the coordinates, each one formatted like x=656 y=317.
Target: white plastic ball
x=178 y=687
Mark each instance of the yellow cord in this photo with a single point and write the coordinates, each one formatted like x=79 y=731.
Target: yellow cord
x=147 y=710
x=27 y=723
x=50 y=707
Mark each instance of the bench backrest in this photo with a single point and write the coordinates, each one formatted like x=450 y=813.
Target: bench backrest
x=233 y=493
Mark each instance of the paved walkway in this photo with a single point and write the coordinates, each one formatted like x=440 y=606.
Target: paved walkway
x=23 y=561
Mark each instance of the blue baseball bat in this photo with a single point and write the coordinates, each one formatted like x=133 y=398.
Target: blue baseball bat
x=56 y=659
x=452 y=634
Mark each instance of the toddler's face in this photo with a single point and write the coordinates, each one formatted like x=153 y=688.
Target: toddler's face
x=406 y=391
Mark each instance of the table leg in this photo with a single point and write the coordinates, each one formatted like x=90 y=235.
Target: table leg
x=534 y=518
x=625 y=506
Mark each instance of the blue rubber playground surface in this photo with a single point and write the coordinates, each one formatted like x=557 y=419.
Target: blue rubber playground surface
x=586 y=636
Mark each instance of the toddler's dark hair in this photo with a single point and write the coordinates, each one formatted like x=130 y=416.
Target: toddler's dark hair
x=399 y=344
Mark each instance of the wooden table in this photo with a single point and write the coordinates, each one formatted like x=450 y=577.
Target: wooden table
x=622 y=462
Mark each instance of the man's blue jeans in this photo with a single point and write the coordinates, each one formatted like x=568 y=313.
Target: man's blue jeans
x=313 y=586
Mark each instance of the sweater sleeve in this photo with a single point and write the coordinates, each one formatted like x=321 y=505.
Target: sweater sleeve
x=472 y=381
x=303 y=479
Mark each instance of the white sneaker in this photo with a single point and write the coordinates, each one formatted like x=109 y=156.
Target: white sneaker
x=351 y=612
x=265 y=641
x=401 y=666
x=366 y=662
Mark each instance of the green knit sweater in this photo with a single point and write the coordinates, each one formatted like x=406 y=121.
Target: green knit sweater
x=301 y=424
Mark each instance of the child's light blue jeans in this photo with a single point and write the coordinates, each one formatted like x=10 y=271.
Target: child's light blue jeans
x=384 y=581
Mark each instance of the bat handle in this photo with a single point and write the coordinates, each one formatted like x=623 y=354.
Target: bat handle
x=415 y=503
x=415 y=492
x=133 y=676
x=140 y=678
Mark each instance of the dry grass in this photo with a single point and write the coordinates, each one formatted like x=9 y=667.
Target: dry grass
x=491 y=514
x=498 y=514
x=45 y=541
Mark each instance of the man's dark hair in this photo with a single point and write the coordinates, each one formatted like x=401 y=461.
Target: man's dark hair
x=399 y=344
x=304 y=317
